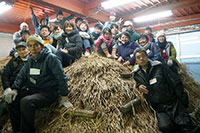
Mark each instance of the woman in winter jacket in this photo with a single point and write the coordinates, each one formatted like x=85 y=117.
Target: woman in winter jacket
x=104 y=44
x=70 y=41
x=126 y=49
x=168 y=51
x=86 y=38
x=153 y=51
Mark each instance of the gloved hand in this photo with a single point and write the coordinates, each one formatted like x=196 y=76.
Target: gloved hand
x=170 y=63
x=9 y=95
x=120 y=20
x=65 y=102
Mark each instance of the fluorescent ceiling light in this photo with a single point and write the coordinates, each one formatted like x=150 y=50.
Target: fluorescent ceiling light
x=153 y=16
x=114 y=3
x=4 y=7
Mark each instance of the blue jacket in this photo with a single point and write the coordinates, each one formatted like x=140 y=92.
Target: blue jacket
x=126 y=51
x=36 y=24
x=43 y=74
x=153 y=51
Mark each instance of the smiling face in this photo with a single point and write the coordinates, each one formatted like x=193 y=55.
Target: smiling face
x=107 y=35
x=68 y=29
x=141 y=58
x=22 y=51
x=124 y=39
x=112 y=18
x=161 y=39
x=97 y=30
x=83 y=27
x=143 y=41
x=114 y=30
x=44 y=32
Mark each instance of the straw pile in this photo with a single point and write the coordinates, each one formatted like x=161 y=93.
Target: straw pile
x=95 y=84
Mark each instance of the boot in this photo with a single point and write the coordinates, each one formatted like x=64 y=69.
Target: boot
x=114 y=51
x=106 y=53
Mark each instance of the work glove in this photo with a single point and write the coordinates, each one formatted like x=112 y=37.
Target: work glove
x=120 y=20
x=65 y=102
x=170 y=63
x=9 y=95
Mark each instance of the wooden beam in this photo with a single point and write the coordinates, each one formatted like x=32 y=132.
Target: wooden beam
x=156 y=9
x=76 y=7
x=12 y=27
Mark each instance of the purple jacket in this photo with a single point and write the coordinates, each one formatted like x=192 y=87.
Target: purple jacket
x=126 y=51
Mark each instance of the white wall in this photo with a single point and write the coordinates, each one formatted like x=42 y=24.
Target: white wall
x=5 y=44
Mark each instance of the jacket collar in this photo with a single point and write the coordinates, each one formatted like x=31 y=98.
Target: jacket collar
x=150 y=62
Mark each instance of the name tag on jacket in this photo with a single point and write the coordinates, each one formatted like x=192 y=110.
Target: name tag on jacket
x=148 y=51
x=153 y=81
x=34 y=71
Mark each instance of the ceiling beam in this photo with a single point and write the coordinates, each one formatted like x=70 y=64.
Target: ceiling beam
x=156 y=9
x=75 y=7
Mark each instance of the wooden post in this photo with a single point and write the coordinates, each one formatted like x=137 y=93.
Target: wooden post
x=127 y=107
x=83 y=113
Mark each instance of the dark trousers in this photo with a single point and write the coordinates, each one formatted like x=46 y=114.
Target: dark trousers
x=66 y=59
x=173 y=118
x=22 y=110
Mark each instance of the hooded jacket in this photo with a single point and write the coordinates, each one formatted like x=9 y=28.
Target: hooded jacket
x=72 y=42
x=134 y=35
x=45 y=73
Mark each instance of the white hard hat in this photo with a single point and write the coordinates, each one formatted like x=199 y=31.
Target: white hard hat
x=160 y=33
x=127 y=23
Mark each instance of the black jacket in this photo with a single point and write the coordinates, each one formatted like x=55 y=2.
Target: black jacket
x=72 y=42
x=164 y=85
x=11 y=70
x=43 y=74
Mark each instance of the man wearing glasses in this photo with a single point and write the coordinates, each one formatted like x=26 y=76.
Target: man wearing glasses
x=164 y=90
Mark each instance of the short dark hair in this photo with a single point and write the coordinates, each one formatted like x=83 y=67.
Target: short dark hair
x=106 y=29
x=45 y=26
x=42 y=19
x=143 y=35
x=99 y=26
x=78 y=19
x=25 y=31
x=148 y=28
x=138 y=50
x=86 y=23
x=59 y=13
x=114 y=25
x=126 y=33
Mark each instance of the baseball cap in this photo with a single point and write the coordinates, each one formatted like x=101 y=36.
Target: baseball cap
x=21 y=44
x=35 y=38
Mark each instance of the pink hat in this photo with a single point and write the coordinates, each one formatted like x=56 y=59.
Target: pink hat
x=112 y=14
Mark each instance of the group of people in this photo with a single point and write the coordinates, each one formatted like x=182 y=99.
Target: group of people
x=34 y=77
